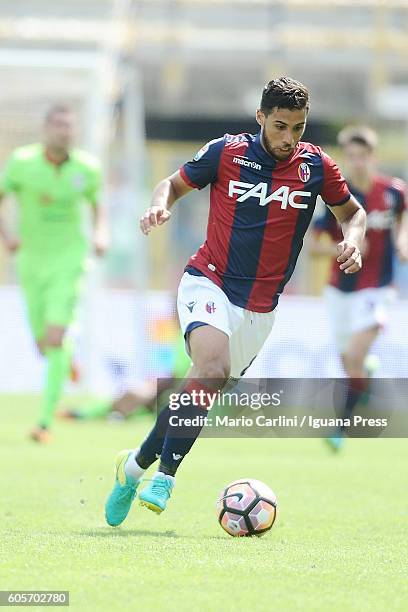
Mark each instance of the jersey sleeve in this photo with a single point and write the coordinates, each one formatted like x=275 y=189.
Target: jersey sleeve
x=399 y=190
x=334 y=190
x=94 y=185
x=10 y=178
x=203 y=168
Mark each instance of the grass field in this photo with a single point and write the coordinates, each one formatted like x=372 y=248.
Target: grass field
x=339 y=543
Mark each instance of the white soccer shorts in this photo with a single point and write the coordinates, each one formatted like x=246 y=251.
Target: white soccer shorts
x=356 y=311
x=199 y=300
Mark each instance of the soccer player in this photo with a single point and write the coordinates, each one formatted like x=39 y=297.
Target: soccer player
x=50 y=181
x=357 y=304
x=263 y=194
x=140 y=397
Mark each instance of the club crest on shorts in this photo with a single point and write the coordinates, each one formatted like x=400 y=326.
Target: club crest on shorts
x=304 y=172
x=210 y=307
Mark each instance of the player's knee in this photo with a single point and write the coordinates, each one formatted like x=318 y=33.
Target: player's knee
x=214 y=370
x=354 y=365
x=55 y=337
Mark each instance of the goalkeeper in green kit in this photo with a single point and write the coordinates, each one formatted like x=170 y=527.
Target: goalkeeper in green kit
x=50 y=181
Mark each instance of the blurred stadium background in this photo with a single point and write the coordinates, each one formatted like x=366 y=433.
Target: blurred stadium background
x=152 y=81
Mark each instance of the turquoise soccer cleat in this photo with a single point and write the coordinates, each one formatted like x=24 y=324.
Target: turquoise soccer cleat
x=123 y=493
x=335 y=443
x=157 y=493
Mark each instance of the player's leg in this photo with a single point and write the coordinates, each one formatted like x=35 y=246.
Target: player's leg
x=57 y=350
x=207 y=332
x=127 y=404
x=248 y=339
x=340 y=308
x=354 y=364
x=209 y=349
x=212 y=353
x=366 y=315
x=32 y=284
x=141 y=396
x=60 y=299
x=94 y=409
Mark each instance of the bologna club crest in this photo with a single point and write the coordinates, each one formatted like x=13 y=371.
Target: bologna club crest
x=210 y=307
x=304 y=172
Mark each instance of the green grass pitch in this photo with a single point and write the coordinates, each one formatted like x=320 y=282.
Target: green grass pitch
x=339 y=542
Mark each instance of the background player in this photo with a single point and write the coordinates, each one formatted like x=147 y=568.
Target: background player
x=142 y=396
x=357 y=304
x=50 y=181
x=263 y=194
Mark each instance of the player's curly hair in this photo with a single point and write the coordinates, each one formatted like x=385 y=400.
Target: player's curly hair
x=358 y=134
x=284 y=92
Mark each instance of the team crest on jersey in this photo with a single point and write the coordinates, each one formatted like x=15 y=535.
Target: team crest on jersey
x=78 y=181
x=304 y=172
x=210 y=307
x=201 y=152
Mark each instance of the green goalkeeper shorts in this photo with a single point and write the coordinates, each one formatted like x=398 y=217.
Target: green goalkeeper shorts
x=51 y=290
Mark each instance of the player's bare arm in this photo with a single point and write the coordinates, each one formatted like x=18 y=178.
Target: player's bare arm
x=401 y=236
x=168 y=191
x=352 y=219
x=12 y=243
x=100 y=230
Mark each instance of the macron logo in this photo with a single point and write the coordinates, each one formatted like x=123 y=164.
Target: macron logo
x=244 y=161
x=260 y=191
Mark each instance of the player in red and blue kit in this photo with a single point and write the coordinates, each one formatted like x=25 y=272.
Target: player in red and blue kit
x=357 y=304
x=262 y=197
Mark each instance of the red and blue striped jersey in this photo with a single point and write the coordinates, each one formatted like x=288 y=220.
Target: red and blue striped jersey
x=385 y=201
x=260 y=209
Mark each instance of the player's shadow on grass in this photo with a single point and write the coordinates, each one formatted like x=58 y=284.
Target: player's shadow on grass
x=107 y=532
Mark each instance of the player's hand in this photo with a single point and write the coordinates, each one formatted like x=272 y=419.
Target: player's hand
x=349 y=257
x=402 y=251
x=155 y=215
x=12 y=244
x=100 y=245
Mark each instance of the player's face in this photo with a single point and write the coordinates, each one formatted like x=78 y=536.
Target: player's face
x=358 y=158
x=59 y=131
x=281 y=130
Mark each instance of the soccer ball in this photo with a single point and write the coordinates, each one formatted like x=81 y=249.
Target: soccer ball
x=246 y=507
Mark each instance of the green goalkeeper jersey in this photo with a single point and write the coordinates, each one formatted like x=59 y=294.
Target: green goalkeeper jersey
x=50 y=198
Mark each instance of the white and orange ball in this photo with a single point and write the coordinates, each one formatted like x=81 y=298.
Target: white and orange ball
x=246 y=507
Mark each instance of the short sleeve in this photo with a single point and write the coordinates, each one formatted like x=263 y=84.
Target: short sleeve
x=203 y=168
x=10 y=179
x=94 y=183
x=334 y=190
x=398 y=191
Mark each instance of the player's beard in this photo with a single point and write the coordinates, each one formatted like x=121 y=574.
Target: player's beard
x=279 y=155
